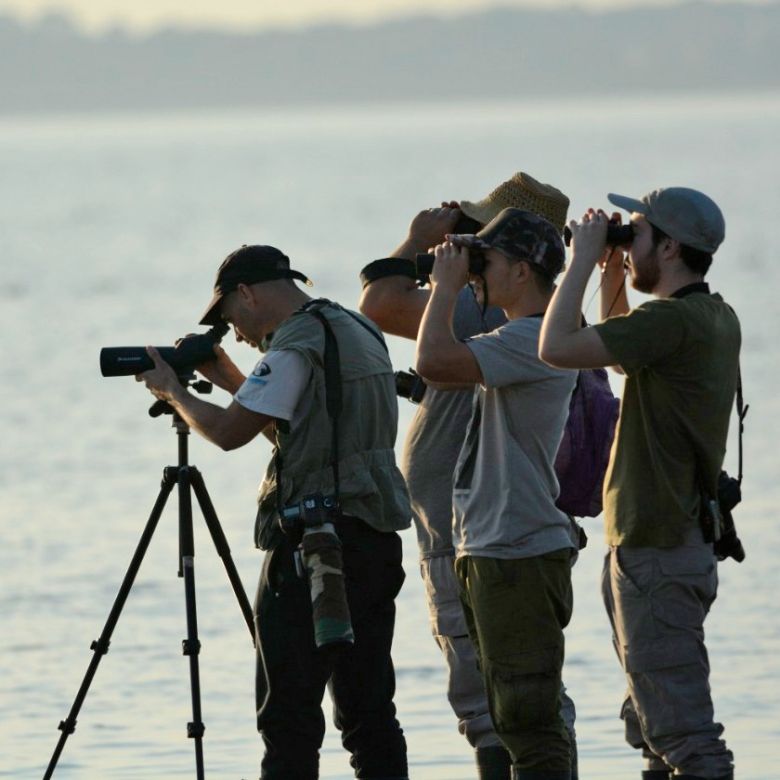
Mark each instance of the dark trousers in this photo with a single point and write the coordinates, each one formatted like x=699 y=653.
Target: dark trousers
x=516 y=611
x=292 y=673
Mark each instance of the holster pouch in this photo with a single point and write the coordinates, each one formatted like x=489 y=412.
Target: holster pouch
x=322 y=558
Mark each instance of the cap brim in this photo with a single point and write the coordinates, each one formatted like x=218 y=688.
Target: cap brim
x=211 y=315
x=479 y=211
x=629 y=204
x=468 y=240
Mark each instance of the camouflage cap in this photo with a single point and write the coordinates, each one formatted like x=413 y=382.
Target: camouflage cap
x=523 y=235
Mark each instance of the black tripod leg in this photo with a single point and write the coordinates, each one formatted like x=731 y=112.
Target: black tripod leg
x=220 y=542
x=191 y=645
x=100 y=646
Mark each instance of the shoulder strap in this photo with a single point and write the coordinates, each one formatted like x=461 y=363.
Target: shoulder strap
x=333 y=397
x=367 y=327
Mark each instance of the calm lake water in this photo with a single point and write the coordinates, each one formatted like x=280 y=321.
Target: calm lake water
x=112 y=228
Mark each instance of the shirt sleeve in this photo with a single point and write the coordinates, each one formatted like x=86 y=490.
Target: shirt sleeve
x=510 y=354
x=276 y=385
x=645 y=336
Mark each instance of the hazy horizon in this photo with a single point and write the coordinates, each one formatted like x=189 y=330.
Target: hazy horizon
x=498 y=54
x=148 y=16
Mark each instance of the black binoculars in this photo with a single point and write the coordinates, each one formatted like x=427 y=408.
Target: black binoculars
x=477 y=262
x=617 y=235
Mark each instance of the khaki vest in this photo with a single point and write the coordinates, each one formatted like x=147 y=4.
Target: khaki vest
x=370 y=485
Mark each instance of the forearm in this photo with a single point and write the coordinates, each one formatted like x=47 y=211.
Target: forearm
x=436 y=341
x=564 y=314
x=561 y=341
x=409 y=248
x=614 y=299
x=207 y=419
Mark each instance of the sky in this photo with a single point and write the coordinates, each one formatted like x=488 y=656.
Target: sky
x=141 y=15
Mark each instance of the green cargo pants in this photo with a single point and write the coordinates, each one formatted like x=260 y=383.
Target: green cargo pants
x=516 y=611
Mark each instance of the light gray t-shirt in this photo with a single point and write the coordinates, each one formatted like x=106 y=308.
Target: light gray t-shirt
x=435 y=437
x=505 y=485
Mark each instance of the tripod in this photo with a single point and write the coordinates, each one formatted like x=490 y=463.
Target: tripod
x=186 y=477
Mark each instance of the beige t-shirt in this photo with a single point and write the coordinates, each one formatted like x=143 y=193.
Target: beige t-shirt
x=505 y=485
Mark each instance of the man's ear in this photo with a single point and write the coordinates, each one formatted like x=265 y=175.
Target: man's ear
x=523 y=271
x=670 y=248
x=245 y=293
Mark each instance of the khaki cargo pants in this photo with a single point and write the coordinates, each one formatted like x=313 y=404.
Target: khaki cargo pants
x=657 y=600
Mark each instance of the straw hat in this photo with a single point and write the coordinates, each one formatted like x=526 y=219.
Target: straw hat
x=520 y=192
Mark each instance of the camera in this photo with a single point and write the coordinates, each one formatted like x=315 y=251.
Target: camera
x=409 y=384
x=617 y=235
x=311 y=511
x=311 y=525
x=188 y=353
x=729 y=544
x=718 y=522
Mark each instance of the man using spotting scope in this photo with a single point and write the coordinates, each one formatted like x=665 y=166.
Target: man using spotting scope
x=331 y=503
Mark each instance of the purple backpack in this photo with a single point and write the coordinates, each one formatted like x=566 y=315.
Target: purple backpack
x=587 y=440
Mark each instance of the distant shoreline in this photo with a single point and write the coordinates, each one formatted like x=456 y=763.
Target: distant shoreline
x=686 y=100
x=502 y=54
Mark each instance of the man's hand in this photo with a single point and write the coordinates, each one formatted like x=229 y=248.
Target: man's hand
x=451 y=268
x=430 y=226
x=222 y=371
x=589 y=237
x=613 y=258
x=161 y=380
x=563 y=341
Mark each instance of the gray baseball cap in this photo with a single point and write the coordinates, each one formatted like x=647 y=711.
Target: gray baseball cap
x=686 y=215
x=522 y=235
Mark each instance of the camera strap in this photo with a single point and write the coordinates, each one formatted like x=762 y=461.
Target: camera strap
x=714 y=515
x=742 y=410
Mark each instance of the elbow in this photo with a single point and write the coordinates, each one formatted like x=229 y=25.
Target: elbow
x=552 y=354
x=430 y=367
x=373 y=306
x=228 y=444
x=547 y=354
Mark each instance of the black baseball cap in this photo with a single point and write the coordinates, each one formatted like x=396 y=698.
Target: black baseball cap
x=248 y=265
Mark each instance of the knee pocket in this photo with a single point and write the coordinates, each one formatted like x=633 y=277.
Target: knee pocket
x=526 y=694
x=669 y=682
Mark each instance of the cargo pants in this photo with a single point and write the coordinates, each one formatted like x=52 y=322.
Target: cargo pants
x=516 y=611
x=657 y=600
x=465 y=686
x=292 y=673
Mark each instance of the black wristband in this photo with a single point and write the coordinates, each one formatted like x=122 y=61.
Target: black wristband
x=388 y=266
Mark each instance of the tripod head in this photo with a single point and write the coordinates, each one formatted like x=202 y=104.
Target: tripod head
x=186 y=380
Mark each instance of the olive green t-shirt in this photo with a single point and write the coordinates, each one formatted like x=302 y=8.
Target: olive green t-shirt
x=681 y=357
